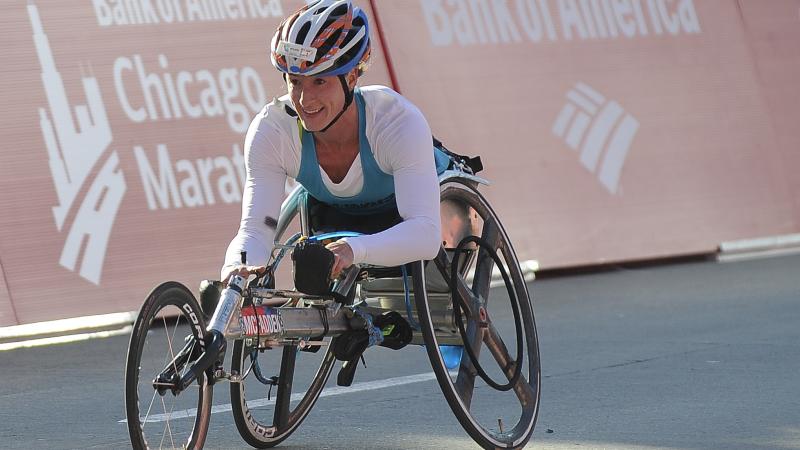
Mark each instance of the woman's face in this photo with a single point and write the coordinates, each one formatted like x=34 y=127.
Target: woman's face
x=317 y=99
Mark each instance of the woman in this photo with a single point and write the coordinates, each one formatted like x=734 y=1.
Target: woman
x=362 y=151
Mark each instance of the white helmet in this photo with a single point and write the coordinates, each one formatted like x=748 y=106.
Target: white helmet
x=326 y=37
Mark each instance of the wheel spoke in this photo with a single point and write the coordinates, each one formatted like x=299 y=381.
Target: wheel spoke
x=485 y=264
x=465 y=382
x=167 y=427
x=152 y=400
x=170 y=340
x=500 y=352
x=284 y=396
x=462 y=289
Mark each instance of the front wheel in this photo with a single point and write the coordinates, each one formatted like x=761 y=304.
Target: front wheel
x=166 y=338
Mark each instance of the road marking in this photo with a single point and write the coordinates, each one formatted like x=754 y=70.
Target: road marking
x=327 y=392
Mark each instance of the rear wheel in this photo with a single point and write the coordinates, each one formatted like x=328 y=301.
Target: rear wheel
x=495 y=389
x=167 y=337
x=266 y=414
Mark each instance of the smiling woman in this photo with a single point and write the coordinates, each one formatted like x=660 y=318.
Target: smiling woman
x=362 y=151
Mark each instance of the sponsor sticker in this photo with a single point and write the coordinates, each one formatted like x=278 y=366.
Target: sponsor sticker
x=262 y=321
x=298 y=51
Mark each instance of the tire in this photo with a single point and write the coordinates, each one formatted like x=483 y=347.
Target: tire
x=499 y=411
x=264 y=419
x=170 y=321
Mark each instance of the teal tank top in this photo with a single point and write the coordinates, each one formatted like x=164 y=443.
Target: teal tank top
x=377 y=193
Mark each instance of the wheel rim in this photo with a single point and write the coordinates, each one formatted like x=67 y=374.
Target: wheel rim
x=266 y=418
x=167 y=421
x=493 y=418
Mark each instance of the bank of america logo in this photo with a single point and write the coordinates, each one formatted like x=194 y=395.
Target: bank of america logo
x=600 y=130
x=75 y=146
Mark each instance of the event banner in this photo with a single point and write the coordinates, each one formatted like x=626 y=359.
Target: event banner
x=123 y=129
x=613 y=130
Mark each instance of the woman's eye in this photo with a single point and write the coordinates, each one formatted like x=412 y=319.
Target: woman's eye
x=319 y=81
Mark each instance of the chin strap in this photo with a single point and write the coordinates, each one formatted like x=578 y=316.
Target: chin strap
x=348 y=99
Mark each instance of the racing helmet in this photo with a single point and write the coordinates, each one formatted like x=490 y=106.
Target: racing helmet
x=325 y=38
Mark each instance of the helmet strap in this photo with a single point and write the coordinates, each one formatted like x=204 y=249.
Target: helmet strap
x=348 y=99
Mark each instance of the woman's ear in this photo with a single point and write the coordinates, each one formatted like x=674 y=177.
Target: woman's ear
x=352 y=78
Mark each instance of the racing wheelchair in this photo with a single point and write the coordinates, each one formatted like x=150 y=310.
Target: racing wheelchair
x=453 y=306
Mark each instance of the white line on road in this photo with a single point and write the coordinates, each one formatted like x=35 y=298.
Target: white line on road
x=327 y=392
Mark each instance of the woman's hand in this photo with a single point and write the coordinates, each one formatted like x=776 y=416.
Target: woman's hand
x=242 y=270
x=344 y=257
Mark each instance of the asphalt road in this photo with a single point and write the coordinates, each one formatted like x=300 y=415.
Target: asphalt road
x=690 y=356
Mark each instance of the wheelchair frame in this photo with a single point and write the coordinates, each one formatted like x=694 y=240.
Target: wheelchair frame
x=259 y=318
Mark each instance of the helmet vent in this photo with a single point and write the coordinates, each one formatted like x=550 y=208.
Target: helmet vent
x=303 y=32
x=340 y=10
x=326 y=46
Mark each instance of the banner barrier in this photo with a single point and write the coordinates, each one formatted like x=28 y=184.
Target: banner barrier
x=612 y=129
x=123 y=129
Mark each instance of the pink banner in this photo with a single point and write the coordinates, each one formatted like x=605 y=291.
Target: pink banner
x=124 y=124
x=612 y=130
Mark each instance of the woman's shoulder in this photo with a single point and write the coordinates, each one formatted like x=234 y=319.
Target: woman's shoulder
x=277 y=114
x=388 y=106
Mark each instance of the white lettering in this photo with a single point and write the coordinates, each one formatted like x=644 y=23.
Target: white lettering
x=688 y=15
x=531 y=19
x=136 y=115
x=226 y=184
x=190 y=188
x=623 y=11
x=571 y=19
x=209 y=97
x=206 y=166
x=103 y=13
x=238 y=117
x=196 y=181
x=251 y=82
x=149 y=81
x=165 y=185
x=170 y=86
x=637 y=11
x=191 y=109
x=438 y=22
x=655 y=18
x=194 y=10
x=233 y=93
x=462 y=24
x=589 y=18
x=671 y=21
x=508 y=29
x=483 y=16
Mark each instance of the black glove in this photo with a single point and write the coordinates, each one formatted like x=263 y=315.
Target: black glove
x=312 y=268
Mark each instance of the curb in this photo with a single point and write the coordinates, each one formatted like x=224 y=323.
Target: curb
x=763 y=247
x=65 y=330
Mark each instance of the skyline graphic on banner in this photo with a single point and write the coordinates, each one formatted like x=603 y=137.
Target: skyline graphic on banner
x=73 y=152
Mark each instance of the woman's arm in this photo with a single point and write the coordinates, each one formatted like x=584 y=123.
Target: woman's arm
x=262 y=196
x=409 y=150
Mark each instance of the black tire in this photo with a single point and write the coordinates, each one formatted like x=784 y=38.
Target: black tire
x=503 y=418
x=265 y=419
x=170 y=321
